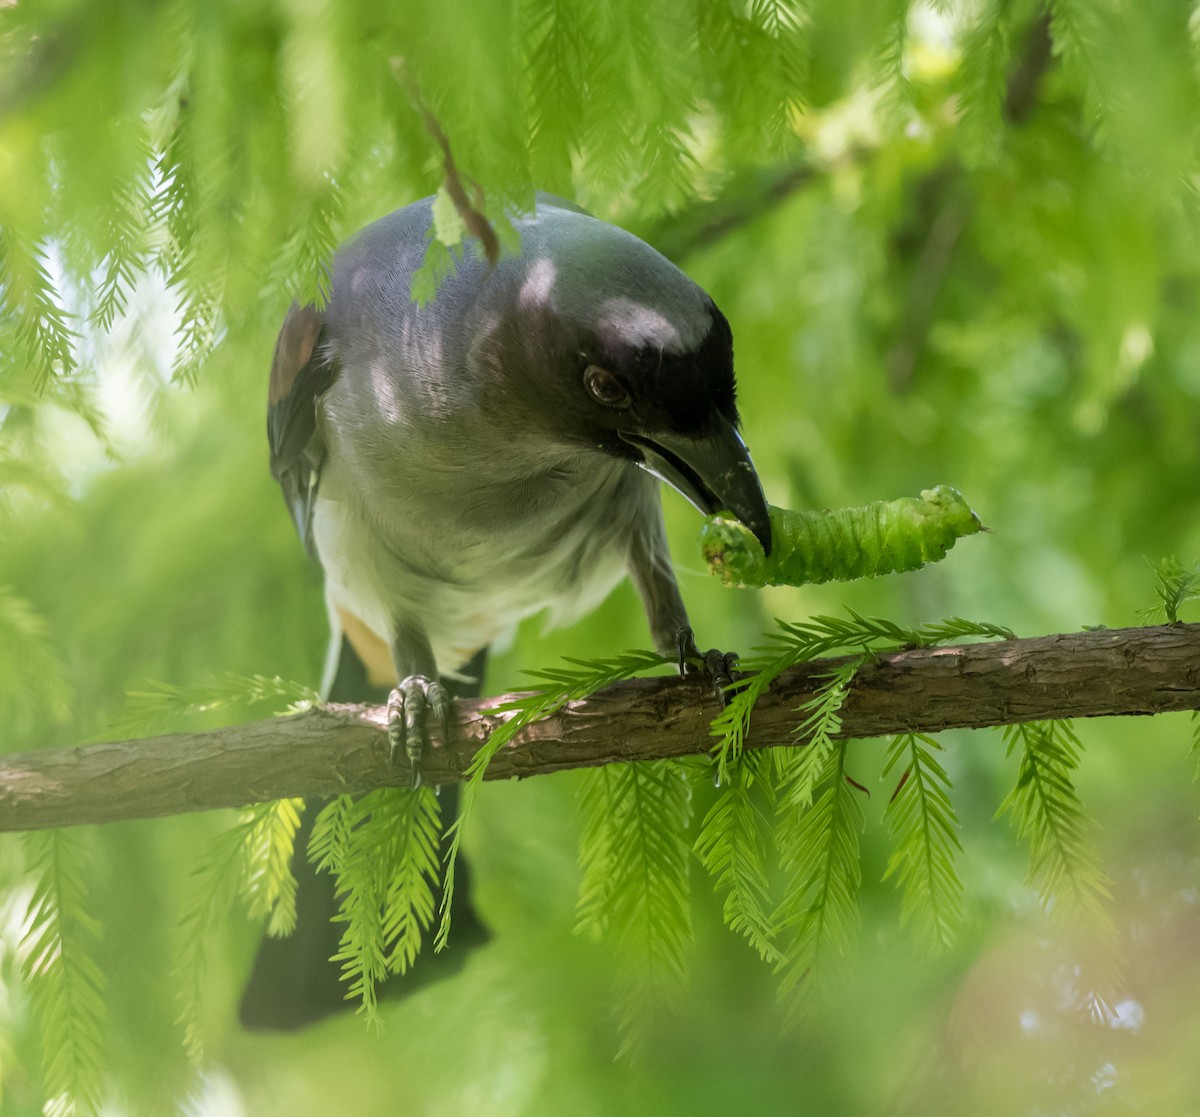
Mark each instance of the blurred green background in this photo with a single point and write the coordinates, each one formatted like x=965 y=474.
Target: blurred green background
x=957 y=243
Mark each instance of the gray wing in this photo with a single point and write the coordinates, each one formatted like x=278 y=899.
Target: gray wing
x=301 y=373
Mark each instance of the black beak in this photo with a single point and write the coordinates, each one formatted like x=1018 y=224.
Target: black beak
x=713 y=470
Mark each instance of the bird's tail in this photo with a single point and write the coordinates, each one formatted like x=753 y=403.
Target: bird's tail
x=293 y=983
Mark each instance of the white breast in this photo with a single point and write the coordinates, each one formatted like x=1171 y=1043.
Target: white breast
x=425 y=562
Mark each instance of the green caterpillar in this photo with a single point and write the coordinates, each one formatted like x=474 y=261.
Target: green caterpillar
x=885 y=537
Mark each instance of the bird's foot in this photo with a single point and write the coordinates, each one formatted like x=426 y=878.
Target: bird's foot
x=717 y=665
x=409 y=708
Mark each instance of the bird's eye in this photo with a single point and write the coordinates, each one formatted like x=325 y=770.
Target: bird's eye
x=605 y=388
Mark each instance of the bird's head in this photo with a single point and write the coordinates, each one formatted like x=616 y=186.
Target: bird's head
x=627 y=356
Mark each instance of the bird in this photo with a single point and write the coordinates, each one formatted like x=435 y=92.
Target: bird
x=493 y=453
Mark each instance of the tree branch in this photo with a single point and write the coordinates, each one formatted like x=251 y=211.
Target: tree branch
x=335 y=749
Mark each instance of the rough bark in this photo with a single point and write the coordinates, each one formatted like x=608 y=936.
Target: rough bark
x=1104 y=672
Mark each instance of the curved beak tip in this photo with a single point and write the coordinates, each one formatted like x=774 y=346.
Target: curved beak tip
x=763 y=534
x=713 y=471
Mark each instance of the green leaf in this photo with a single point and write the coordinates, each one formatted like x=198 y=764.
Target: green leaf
x=732 y=846
x=29 y=297
x=35 y=687
x=269 y=884
x=66 y=985
x=560 y=685
x=925 y=844
x=635 y=855
x=160 y=706
x=1175 y=585
x=982 y=83
x=438 y=264
x=821 y=725
x=248 y=866
x=448 y=224
x=819 y=850
x=800 y=641
x=1064 y=866
x=1196 y=744
x=383 y=853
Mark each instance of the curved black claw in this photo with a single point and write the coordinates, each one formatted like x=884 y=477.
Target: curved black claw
x=408 y=709
x=717 y=665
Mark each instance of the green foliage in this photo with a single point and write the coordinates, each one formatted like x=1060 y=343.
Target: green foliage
x=924 y=833
x=1196 y=744
x=42 y=339
x=1063 y=863
x=982 y=81
x=819 y=850
x=732 y=846
x=1175 y=585
x=821 y=724
x=382 y=850
x=248 y=865
x=952 y=240
x=822 y=636
x=635 y=856
x=65 y=982
x=37 y=685
x=162 y=705
x=560 y=686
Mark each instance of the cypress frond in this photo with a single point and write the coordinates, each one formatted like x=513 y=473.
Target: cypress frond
x=796 y=643
x=363 y=862
x=805 y=767
x=189 y=256
x=598 y=794
x=1174 y=585
x=660 y=55
x=1196 y=744
x=217 y=881
x=732 y=724
x=66 y=985
x=330 y=837
x=799 y=641
x=29 y=298
x=160 y=705
x=636 y=888
x=248 y=864
x=786 y=23
x=383 y=851
x=607 y=152
x=1064 y=865
x=270 y=885
x=982 y=82
x=1076 y=28
x=560 y=685
x=200 y=306
x=175 y=201
x=958 y=628
x=126 y=253
x=437 y=265
x=409 y=903
x=732 y=846
x=888 y=73
x=36 y=688
x=557 y=65
x=925 y=844
x=819 y=850
x=301 y=268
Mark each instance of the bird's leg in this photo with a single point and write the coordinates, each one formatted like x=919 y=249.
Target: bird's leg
x=717 y=665
x=650 y=568
x=416 y=696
